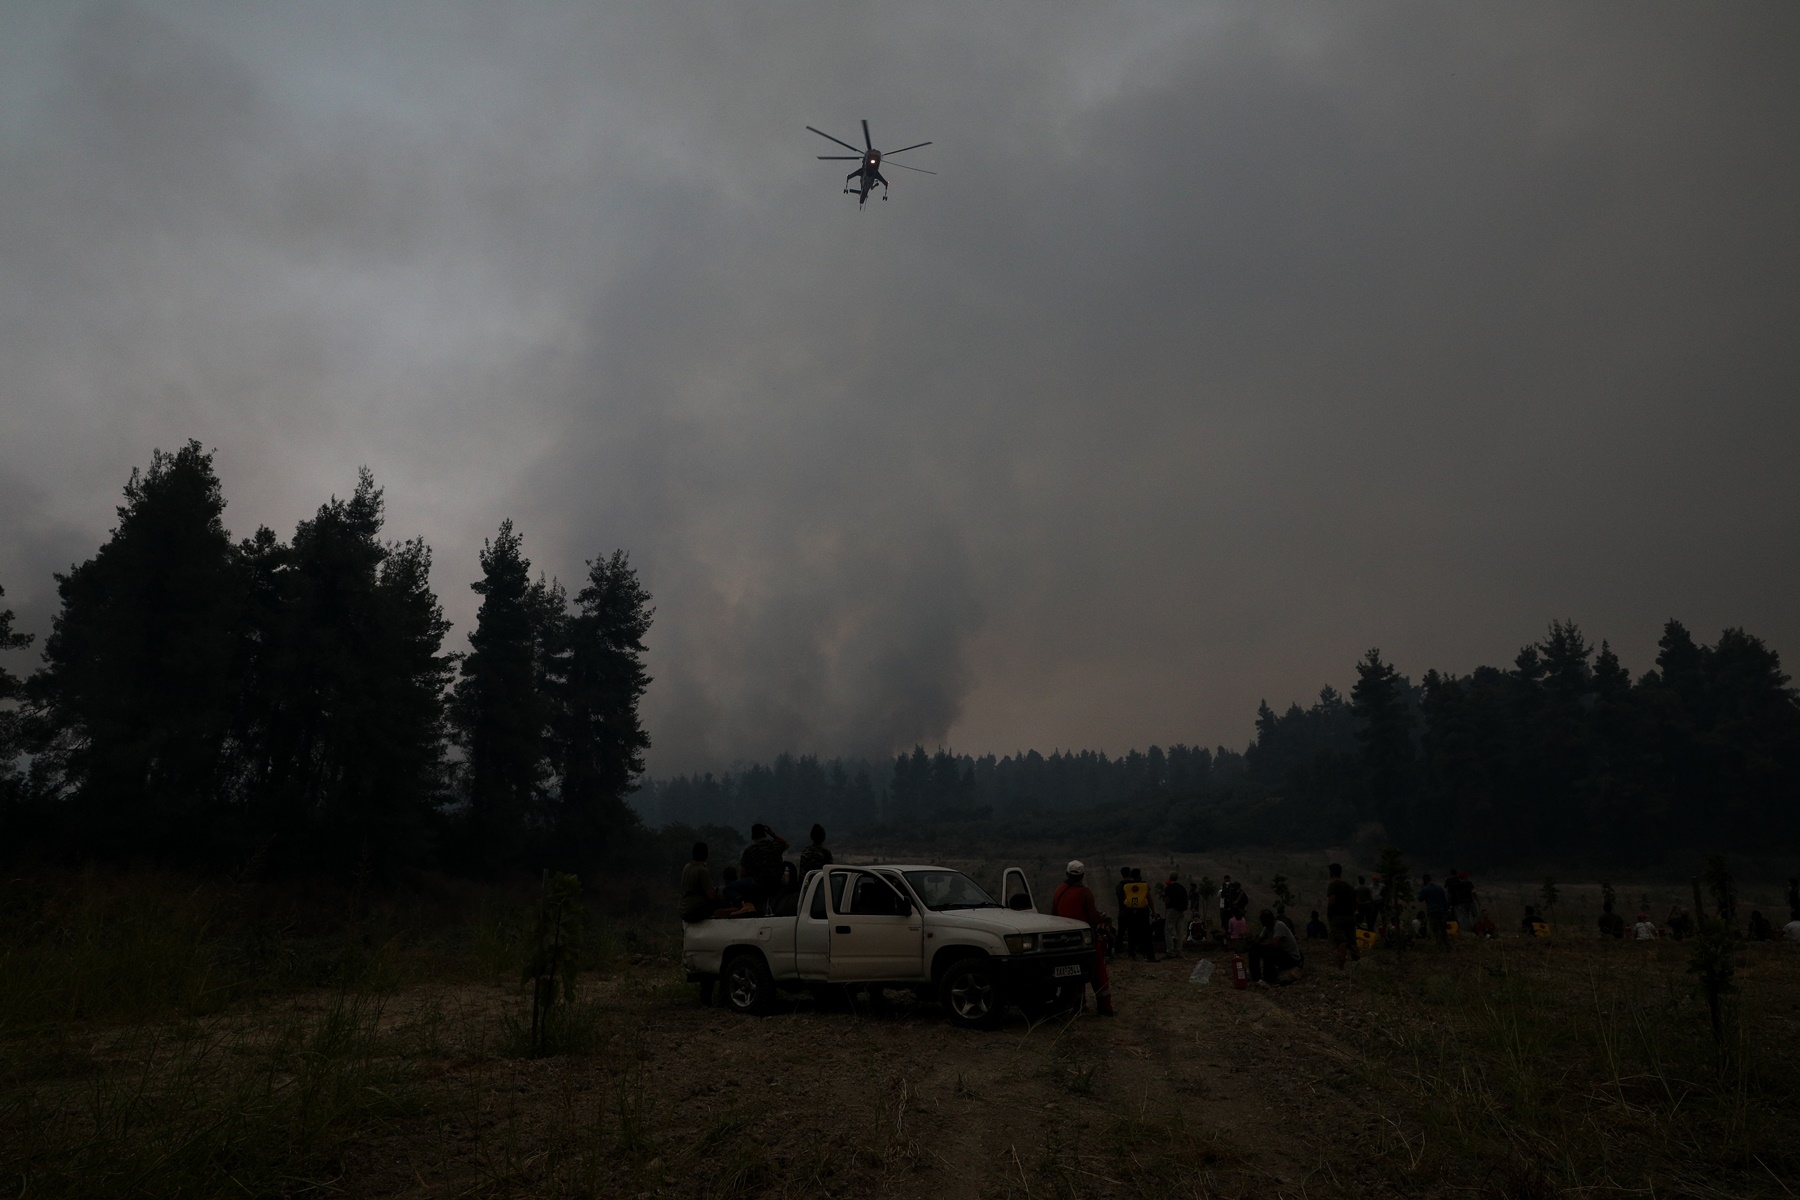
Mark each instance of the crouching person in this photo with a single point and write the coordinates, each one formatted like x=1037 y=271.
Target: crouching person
x=1275 y=952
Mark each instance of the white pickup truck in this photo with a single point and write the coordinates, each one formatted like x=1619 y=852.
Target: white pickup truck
x=931 y=929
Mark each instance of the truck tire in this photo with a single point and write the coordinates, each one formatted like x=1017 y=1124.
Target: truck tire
x=971 y=993
x=749 y=988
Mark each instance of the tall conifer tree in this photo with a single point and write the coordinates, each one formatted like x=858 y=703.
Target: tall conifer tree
x=598 y=739
x=500 y=711
x=342 y=713
x=1380 y=703
x=140 y=682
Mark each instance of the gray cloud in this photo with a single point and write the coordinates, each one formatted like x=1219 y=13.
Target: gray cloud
x=1227 y=343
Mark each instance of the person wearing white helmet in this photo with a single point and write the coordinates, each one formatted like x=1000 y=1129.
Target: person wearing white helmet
x=1072 y=899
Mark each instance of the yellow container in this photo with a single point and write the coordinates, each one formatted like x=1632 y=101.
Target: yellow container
x=1540 y=929
x=1365 y=939
x=1452 y=928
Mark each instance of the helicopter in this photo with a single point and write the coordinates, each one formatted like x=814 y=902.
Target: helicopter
x=868 y=160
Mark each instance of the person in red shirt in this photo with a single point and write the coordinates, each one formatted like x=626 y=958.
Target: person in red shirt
x=1072 y=899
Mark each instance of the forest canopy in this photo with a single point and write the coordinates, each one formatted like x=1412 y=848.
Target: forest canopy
x=207 y=702
x=214 y=703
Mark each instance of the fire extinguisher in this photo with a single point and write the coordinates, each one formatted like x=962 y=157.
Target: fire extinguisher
x=1240 y=977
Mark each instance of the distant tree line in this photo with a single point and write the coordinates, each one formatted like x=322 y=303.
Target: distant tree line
x=209 y=702
x=919 y=790
x=1562 y=754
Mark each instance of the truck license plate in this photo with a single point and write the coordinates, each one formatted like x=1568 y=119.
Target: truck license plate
x=1066 y=972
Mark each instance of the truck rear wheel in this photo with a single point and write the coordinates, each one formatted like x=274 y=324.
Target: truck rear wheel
x=749 y=988
x=971 y=992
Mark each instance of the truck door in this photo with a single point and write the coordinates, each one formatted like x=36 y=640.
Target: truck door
x=876 y=933
x=812 y=932
x=1015 y=891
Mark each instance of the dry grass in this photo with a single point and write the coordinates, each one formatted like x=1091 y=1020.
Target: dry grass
x=149 y=1049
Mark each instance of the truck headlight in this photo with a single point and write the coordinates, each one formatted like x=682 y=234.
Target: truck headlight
x=1021 y=943
x=1087 y=937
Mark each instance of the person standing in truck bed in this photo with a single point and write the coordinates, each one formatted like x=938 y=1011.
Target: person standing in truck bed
x=815 y=857
x=1072 y=899
x=761 y=861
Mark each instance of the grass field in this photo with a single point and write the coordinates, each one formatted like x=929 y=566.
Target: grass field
x=158 y=1038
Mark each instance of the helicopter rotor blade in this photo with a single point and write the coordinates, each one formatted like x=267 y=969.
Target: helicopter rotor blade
x=848 y=158
x=839 y=141
x=866 y=142
x=903 y=149
x=920 y=170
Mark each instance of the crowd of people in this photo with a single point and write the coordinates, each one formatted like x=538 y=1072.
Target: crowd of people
x=1154 y=921
x=1679 y=923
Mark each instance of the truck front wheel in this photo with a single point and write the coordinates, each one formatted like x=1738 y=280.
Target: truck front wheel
x=971 y=992
x=749 y=989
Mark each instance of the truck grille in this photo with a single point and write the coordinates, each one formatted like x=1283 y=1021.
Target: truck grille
x=1067 y=940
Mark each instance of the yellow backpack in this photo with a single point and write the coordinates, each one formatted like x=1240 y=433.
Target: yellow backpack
x=1137 y=895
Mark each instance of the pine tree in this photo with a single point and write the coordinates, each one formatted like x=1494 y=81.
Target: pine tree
x=1617 y=792
x=1752 y=746
x=598 y=739
x=342 y=712
x=500 y=711
x=1380 y=703
x=1562 y=746
x=1397 y=886
x=12 y=690
x=140 y=684
x=400 y=759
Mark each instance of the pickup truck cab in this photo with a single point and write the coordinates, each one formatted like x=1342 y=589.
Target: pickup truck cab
x=928 y=928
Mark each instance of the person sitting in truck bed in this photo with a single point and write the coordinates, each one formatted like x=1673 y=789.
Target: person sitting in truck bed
x=737 y=897
x=699 y=898
x=761 y=860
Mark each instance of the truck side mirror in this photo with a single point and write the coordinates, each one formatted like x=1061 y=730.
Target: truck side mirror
x=1020 y=902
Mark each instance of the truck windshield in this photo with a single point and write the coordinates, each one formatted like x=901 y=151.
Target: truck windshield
x=941 y=890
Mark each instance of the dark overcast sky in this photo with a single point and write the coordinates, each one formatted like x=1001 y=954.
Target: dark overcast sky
x=1230 y=340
